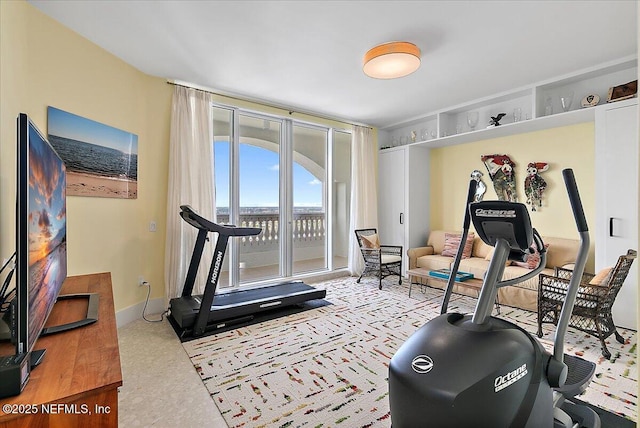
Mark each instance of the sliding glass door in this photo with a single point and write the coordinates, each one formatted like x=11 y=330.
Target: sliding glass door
x=223 y=132
x=272 y=173
x=258 y=197
x=340 y=198
x=309 y=180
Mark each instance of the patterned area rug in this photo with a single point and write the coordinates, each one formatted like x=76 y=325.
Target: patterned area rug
x=328 y=367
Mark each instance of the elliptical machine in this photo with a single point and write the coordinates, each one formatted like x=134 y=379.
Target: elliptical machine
x=481 y=371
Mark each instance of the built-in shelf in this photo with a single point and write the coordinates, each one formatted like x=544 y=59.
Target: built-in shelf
x=537 y=106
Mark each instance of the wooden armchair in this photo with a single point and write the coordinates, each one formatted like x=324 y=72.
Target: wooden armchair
x=592 y=310
x=379 y=260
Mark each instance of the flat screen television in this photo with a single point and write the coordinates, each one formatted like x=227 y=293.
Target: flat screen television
x=41 y=239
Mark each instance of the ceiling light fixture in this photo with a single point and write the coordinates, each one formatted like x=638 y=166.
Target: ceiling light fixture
x=391 y=60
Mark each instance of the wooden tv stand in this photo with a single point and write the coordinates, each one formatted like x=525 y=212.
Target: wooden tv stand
x=77 y=382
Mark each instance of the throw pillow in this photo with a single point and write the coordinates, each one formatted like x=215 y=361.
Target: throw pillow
x=371 y=241
x=452 y=242
x=533 y=259
x=489 y=256
x=602 y=277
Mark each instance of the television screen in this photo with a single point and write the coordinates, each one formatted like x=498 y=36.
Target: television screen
x=41 y=232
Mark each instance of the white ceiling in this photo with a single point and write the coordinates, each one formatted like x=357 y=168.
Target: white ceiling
x=307 y=55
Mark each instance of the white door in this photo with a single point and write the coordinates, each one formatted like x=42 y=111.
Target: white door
x=617 y=200
x=391 y=199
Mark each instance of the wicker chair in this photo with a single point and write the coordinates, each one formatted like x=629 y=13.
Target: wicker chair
x=592 y=310
x=379 y=260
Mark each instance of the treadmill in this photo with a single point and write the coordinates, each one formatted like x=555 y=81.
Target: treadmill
x=194 y=315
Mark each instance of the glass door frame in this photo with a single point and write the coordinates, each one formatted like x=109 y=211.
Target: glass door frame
x=326 y=194
x=286 y=216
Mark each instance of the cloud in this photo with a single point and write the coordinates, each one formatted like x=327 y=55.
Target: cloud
x=315 y=182
x=45 y=224
x=44 y=172
x=275 y=167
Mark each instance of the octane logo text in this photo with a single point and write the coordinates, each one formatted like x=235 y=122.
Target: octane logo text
x=510 y=378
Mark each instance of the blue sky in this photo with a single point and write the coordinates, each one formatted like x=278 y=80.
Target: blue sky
x=259 y=179
x=47 y=191
x=69 y=125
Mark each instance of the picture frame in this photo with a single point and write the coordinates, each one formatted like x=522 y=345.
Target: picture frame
x=623 y=92
x=102 y=161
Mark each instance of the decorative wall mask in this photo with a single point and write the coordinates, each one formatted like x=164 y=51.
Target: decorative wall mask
x=480 y=186
x=534 y=184
x=501 y=171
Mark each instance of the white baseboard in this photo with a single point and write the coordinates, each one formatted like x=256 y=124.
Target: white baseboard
x=134 y=312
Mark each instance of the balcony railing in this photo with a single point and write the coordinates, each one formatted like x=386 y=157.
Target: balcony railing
x=306 y=227
x=260 y=254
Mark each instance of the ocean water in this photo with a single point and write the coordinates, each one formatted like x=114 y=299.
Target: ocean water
x=46 y=276
x=93 y=159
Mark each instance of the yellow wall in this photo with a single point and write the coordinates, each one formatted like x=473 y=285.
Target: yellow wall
x=45 y=64
x=564 y=147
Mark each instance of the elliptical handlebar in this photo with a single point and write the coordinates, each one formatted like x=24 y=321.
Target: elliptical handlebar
x=471 y=196
x=574 y=199
x=463 y=240
x=581 y=260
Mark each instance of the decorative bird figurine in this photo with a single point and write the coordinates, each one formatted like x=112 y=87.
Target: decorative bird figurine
x=495 y=121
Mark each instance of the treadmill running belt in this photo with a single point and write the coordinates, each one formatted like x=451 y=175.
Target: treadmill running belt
x=257 y=294
x=240 y=304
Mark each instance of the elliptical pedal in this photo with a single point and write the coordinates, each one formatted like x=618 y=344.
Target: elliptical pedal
x=580 y=373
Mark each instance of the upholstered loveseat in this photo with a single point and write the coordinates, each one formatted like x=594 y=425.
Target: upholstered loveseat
x=560 y=252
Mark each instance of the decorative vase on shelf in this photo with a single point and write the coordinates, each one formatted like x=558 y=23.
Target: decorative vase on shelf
x=566 y=99
x=472 y=119
x=548 y=107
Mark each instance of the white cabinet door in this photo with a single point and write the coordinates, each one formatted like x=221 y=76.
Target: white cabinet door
x=616 y=174
x=391 y=198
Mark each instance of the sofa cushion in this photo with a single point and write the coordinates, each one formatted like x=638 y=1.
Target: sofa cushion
x=389 y=258
x=452 y=242
x=436 y=240
x=511 y=272
x=474 y=265
x=561 y=251
x=434 y=262
x=602 y=277
x=489 y=256
x=371 y=241
x=480 y=249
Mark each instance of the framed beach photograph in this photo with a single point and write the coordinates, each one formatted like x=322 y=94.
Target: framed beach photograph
x=101 y=160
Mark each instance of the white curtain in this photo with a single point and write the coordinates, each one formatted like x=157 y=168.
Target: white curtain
x=364 y=191
x=190 y=183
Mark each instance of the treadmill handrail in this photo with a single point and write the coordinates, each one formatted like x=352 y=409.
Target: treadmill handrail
x=190 y=216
